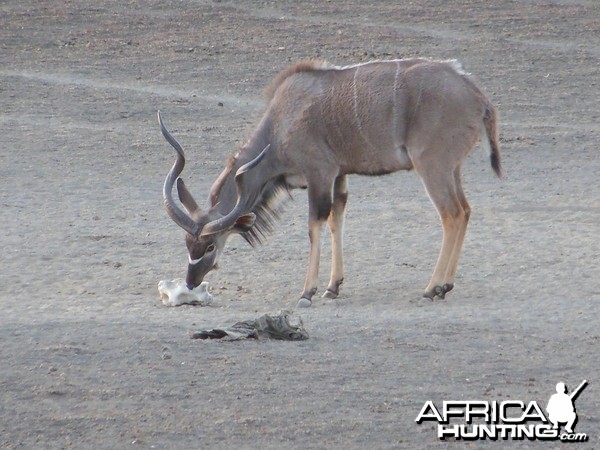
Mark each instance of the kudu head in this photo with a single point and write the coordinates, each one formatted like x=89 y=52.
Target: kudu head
x=207 y=229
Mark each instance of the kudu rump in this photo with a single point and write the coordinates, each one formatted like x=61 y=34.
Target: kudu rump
x=324 y=123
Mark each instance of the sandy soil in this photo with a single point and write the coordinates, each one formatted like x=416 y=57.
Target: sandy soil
x=89 y=356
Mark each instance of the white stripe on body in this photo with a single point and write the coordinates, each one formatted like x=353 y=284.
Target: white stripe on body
x=395 y=114
x=356 y=116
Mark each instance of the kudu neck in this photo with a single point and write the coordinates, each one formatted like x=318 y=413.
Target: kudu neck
x=256 y=178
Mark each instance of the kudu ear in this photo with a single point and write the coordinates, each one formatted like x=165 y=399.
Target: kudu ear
x=185 y=197
x=244 y=203
x=244 y=223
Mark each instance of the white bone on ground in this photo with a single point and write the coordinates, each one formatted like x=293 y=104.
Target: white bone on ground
x=175 y=293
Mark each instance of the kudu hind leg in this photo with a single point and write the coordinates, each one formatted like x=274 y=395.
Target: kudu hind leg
x=441 y=188
x=456 y=251
x=335 y=221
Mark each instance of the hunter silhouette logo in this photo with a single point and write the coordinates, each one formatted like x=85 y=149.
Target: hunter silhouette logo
x=560 y=406
x=508 y=419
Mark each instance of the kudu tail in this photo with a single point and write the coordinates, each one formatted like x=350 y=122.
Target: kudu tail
x=490 y=137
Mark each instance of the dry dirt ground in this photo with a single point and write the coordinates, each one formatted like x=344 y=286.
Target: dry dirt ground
x=90 y=358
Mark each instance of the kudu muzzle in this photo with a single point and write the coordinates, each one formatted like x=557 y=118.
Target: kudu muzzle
x=198 y=269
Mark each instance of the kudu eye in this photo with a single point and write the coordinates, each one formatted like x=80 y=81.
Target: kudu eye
x=210 y=248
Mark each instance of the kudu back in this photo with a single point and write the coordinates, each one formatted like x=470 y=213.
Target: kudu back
x=323 y=123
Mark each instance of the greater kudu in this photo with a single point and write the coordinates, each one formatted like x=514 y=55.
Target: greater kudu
x=325 y=122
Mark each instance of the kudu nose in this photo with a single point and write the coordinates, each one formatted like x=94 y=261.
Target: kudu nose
x=189 y=282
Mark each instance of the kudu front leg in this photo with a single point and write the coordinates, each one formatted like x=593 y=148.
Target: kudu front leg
x=319 y=207
x=314 y=257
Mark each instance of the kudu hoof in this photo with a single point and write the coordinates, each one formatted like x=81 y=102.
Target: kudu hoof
x=304 y=303
x=330 y=294
x=438 y=291
x=448 y=287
